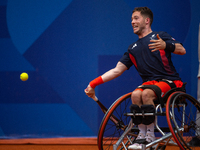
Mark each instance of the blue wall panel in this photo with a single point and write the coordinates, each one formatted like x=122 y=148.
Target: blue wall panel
x=63 y=45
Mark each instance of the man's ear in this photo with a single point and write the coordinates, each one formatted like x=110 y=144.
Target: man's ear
x=147 y=20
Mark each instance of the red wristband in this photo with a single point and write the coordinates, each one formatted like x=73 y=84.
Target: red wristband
x=96 y=82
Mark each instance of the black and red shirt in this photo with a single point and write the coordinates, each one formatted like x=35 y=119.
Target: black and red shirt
x=151 y=65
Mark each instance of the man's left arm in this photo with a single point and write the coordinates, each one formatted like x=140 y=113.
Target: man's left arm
x=179 y=49
x=159 y=44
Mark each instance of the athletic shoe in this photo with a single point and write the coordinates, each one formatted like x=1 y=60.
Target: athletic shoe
x=150 y=138
x=138 y=142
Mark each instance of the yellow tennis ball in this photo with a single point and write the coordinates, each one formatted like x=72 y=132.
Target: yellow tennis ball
x=24 y=76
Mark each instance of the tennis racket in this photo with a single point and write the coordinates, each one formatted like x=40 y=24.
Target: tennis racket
x=103 y=108
x=113 y=118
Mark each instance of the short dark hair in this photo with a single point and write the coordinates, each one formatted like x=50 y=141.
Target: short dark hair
x=145 y=11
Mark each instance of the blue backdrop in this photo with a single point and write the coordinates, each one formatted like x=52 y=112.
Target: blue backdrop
x=64 y=44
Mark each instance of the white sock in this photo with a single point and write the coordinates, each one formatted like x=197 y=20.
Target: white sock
x=142 y=128
x=150 y=129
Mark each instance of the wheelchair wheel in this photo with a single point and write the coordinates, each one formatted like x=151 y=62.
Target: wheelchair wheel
x=181 y=111
x=114 y=124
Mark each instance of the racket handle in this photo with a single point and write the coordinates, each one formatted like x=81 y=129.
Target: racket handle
x=95 y=98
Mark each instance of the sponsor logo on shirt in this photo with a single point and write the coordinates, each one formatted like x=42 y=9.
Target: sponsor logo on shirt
x=153 y=37
x=134 y=46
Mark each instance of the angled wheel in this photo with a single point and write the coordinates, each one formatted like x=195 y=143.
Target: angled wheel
x=181 y=111
x=114 y=124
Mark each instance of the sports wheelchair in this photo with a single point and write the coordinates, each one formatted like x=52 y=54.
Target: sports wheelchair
x=117 y=130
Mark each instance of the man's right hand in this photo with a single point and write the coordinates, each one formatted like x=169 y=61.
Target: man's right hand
x=90 y=92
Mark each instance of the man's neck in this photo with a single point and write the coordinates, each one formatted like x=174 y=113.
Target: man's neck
x=145 y=33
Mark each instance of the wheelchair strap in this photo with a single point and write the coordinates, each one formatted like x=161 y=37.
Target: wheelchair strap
x=169 y=82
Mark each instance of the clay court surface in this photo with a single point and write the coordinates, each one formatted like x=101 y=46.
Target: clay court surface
x=49 y=144
x=55 y=144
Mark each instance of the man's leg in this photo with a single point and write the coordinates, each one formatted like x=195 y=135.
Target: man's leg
x=136 y=97
x=139 y=98
x=137 y=120
x=148 y=97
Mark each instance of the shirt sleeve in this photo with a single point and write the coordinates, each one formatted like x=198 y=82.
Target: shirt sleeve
x=126 y=60
x=167 y=38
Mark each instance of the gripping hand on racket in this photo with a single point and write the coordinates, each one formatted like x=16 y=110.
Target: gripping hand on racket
x=90 y=92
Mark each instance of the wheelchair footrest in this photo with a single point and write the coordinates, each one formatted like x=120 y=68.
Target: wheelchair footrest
x=145 y=114
x=164 y=129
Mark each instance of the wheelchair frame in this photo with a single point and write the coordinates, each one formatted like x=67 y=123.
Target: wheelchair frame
x=124 y=132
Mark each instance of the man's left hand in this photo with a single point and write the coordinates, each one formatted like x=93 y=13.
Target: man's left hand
x=158 y=44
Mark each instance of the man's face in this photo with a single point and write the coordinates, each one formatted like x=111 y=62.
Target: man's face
x=138 y=22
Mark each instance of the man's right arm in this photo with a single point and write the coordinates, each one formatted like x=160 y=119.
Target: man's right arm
x=114 y=73
x=108 y=76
